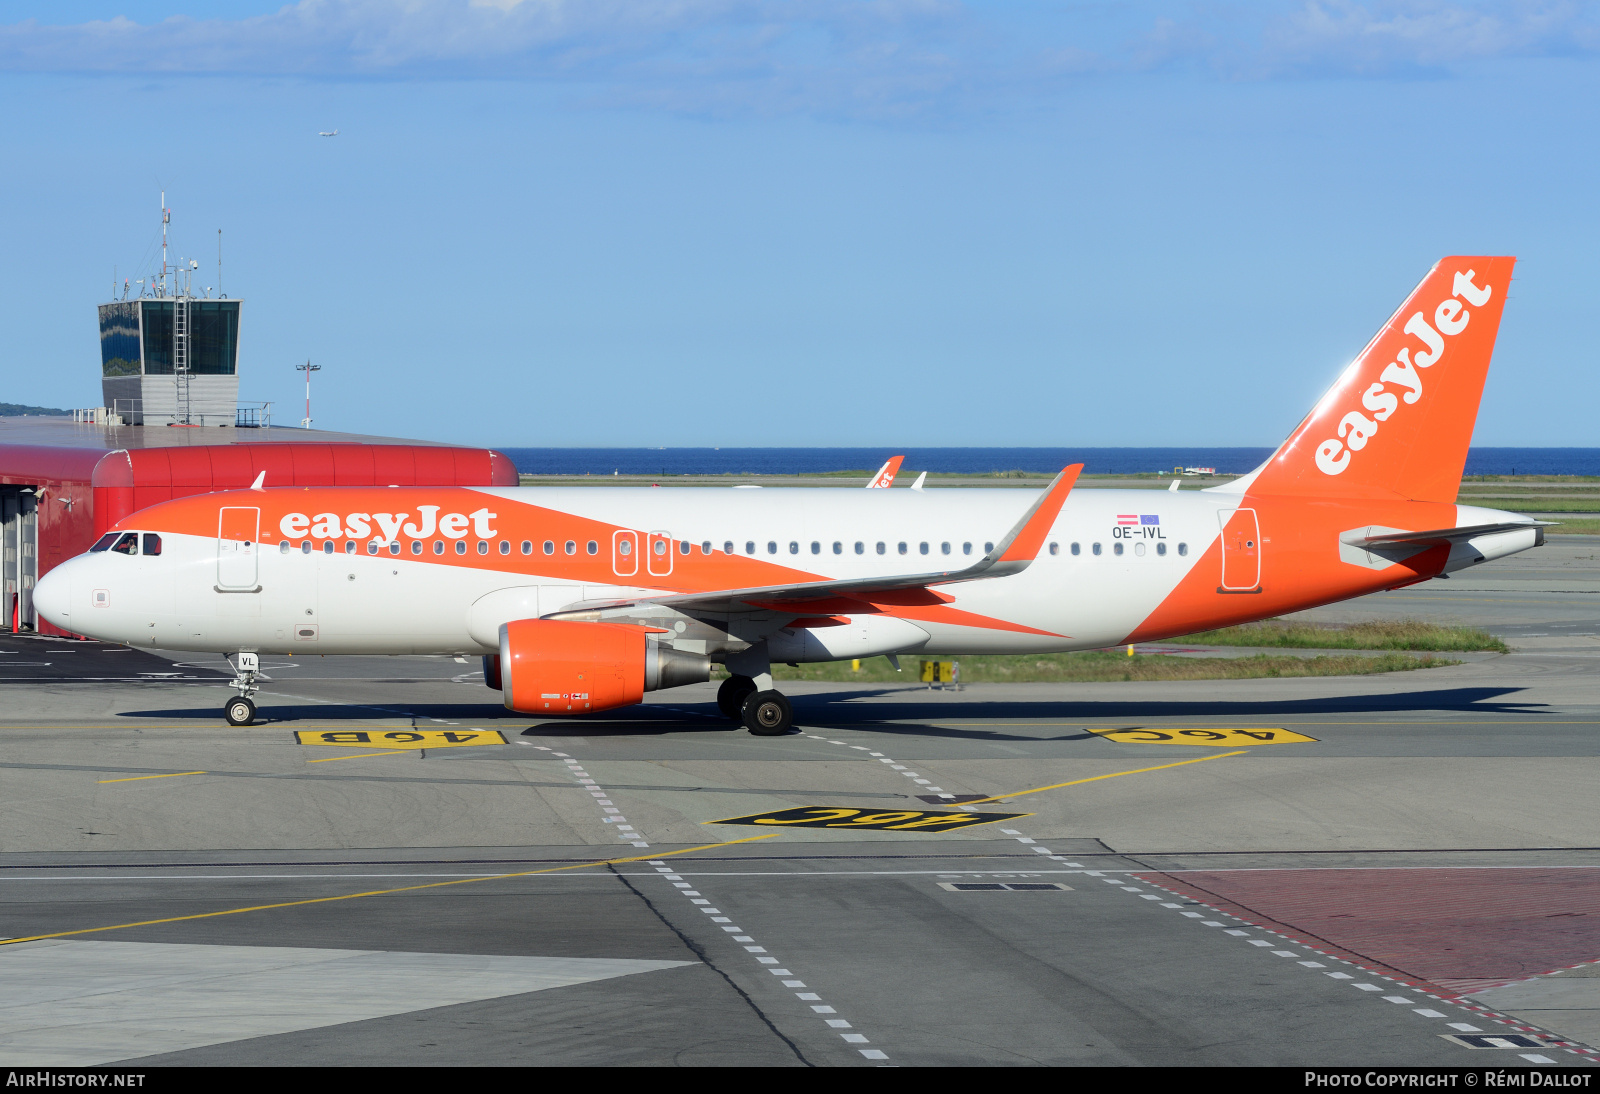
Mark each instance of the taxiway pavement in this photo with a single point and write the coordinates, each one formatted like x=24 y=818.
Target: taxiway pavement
x=1416 y=877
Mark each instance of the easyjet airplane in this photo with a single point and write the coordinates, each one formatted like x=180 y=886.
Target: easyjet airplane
x=582 y=600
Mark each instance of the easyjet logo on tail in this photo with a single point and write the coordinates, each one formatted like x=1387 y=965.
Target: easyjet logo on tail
x=1401 y=380
x=389 y=525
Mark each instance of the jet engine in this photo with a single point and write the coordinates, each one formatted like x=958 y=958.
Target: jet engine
x=556 y=666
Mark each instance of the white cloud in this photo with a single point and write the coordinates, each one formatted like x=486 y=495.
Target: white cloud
x=875 y=57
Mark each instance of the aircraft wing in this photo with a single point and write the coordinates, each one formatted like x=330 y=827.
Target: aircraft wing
x=885 y=476
x=1011 y=555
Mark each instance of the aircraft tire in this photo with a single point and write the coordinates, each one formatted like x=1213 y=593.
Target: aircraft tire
x=239 y=712
x=768 y=714
x=732 y=694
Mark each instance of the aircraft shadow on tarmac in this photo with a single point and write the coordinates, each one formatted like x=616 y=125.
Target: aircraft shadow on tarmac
x=912 y=715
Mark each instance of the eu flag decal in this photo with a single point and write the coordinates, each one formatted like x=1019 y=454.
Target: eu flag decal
x=1148 y=519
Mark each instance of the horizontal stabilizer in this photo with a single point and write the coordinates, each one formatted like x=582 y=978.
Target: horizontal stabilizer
x=1436 y=536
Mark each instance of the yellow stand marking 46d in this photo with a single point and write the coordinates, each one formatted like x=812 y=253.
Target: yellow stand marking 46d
x=1227 y=738
x=400 y=738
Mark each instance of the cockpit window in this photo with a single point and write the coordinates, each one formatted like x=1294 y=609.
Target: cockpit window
x=152 y=543
x=105 y=541
x=128 y=544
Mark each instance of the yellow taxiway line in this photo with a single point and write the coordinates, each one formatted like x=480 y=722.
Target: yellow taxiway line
x=136 y=778
x=364 y=755
x=381 y=892
x=1097 y=778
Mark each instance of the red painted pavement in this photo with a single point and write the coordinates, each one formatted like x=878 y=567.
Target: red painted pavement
x=1460 y=929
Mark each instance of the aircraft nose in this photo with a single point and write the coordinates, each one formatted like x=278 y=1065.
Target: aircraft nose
x=52 y=597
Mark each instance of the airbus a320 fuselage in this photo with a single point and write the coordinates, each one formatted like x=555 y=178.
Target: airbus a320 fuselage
x=581 y=600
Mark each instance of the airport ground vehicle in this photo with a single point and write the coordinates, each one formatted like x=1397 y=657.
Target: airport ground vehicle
x=582 y=600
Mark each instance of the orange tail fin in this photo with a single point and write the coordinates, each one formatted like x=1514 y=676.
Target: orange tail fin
x=1398 y=422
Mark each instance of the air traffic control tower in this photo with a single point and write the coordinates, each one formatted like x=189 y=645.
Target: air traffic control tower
x=170 y=359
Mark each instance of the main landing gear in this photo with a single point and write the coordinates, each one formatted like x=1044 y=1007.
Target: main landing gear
x=764 y=713
x=241 y=711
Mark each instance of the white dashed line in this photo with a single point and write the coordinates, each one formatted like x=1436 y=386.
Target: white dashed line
x=759 y=953
x=575 y=768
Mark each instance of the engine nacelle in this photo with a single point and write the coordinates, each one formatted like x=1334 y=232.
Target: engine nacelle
x=557 y=666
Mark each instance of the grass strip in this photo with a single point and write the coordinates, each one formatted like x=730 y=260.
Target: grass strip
x=1399 y=634
x=1101 y=665
x=1574 y=528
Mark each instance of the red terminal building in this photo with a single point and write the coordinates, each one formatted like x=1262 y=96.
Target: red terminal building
x=63 y=482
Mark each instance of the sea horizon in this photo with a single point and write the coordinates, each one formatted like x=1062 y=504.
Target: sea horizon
x=984 y=460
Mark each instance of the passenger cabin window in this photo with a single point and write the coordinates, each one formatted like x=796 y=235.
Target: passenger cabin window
x=794 y=547
x=416 y=546
x=838 y=548
x=1076 y=549
x=372 y=546
x=527 y=546
x=1183 y=549
x=944 y=548
x=816 y=548
x=880 y=547
x=861 y=548
x=104 y=542
x=1095 y=548
x=705 y=548
x=394 y=547
x=966 y=548
x=922 y=548
x=572 y=547
x=349 y=546
x=438 y=547
x=987 y=547
x=483 y=546
x=772 y=546
x=283 y=547
x=327 y=547
x=1055 y=548
x=593 y=547
x=749 y=546
x=1161 y=548
x=305 y=547
x=549 y=546
x=727 y=547
x=152 y=543
x=461 y=546
x=1116 y=548
x=505 y=547
x=902 y=546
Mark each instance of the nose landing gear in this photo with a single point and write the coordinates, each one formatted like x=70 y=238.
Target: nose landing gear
x=241 y=711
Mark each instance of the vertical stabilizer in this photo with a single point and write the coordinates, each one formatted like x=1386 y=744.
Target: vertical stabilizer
x=1398 y=422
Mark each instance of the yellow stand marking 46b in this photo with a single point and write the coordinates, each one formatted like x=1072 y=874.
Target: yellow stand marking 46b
x=400 y=738
x=1228 y=738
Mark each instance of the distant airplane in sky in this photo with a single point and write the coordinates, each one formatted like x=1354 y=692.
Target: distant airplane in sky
x=335 y=133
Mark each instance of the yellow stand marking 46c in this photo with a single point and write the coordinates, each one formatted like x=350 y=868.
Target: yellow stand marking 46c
x=1227 y=738
x=898 y=820
x=400 y=738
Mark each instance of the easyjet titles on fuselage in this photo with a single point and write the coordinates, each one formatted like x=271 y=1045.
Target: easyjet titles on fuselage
x=389 y=525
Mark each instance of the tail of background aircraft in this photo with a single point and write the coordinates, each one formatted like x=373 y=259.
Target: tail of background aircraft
x=1398 y=422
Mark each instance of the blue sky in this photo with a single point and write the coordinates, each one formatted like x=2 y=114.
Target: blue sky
x=893 y=223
